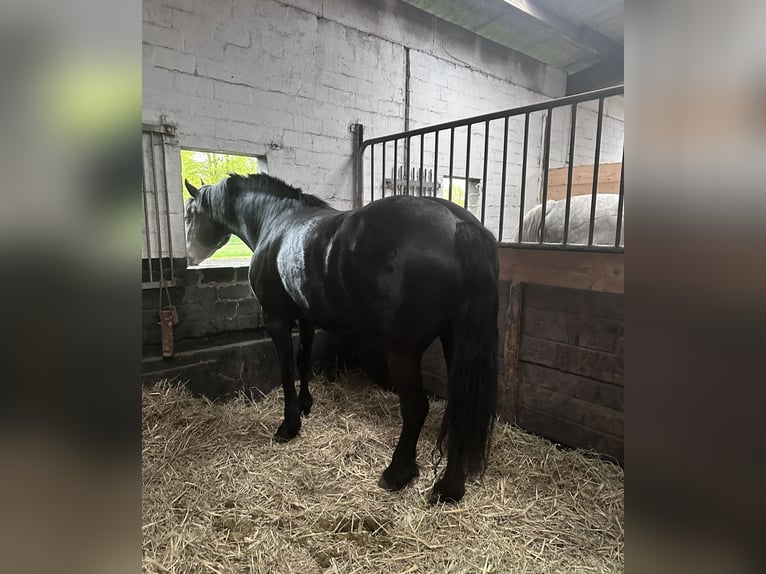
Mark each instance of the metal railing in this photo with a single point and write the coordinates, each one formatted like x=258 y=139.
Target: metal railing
x=157 y=248
x=406 y=177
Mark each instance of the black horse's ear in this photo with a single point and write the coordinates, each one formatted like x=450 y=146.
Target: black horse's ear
x=193 y=191
x=201 y=182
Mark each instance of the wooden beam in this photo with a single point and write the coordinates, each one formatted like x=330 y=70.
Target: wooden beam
x=508 y=392
x=580 y=35
x=594 y=271
x=608 y=72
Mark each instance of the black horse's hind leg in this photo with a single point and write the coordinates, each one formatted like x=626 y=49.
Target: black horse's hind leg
x=304 y=366
x=281 y=334
x=404 y=370
x=451 y=486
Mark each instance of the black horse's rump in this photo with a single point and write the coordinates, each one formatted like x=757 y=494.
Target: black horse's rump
x=411 y=269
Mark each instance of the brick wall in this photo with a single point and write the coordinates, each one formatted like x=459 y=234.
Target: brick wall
x=209 y=301
x=286 y=79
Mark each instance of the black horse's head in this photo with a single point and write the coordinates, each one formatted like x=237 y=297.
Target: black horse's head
x=204 y=235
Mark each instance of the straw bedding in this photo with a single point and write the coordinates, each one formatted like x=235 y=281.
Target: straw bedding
x=219 y=495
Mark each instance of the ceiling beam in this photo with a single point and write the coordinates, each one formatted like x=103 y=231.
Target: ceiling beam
x=606 y=73
x=580 y=35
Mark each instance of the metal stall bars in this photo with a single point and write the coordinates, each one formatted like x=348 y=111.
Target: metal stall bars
x=429 y=185
x=157 y=249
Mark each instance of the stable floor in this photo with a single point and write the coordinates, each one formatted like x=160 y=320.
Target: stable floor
x=219 y=495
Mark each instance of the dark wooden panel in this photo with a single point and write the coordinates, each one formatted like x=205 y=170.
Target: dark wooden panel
x=580 y=329
x=571 y=359
x=507 y=392
x=569 y=433
x=574 y=300
x=594 y=271
x=596 y=417
x=596 y=392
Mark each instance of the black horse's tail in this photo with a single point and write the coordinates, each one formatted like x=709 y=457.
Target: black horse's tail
x=472 y=383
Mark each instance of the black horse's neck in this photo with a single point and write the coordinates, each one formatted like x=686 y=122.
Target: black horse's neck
x=248 y=206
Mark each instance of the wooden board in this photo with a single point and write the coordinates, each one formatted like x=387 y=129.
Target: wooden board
x=579 y=329
x=560 y=405
x=582 y=180
x=598 y=365
x=574 y=301
x=577 y=270
x=576 y=386
x=569 y=433
x=507 y=391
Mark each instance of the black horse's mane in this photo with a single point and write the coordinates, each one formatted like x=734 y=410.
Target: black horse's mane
x=266 y=184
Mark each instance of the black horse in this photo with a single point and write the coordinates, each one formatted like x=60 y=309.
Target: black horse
x=410 y=269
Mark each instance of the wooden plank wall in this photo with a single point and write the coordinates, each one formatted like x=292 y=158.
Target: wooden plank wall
x=582 y=180
x=568 y=380
x=561 y=364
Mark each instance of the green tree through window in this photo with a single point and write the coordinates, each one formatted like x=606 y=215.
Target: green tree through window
x=211 y=168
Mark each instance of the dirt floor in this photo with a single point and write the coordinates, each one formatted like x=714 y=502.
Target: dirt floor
x=221 y=496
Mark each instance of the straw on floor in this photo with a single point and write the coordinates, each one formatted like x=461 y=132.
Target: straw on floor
x=221 y=496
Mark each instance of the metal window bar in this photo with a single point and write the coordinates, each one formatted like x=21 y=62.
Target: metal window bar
x=396 y=151
x=548 y=107
x=422 y=171
x=572 y=132
x=451 y=157
x=484 y=172
x=383 y=179
x=596 y=160
x=408 y=149
x=467 y=166
x=523 y=192
x=157 y=225
x=502 y=183
x=546 y=161
x=620 y=203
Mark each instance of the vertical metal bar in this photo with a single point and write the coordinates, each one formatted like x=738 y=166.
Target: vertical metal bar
x=422 y=174
x=167 y=206
x=383 y=183
x=484 y=173
x=157 y=209
x=436 y=162
x=467 y=165
x=572 y=131
x=451 y=158
x=146 y=208
x=546 y=158
x=620 y=202
x=596 y=161
x=396 y=152
x=407 y=163
x=523 y=192
x=372 y=173
x=358 y=166
x=502 y=180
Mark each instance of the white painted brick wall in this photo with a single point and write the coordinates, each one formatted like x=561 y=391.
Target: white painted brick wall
x=285 y=79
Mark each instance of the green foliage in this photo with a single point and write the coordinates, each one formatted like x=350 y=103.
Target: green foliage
x=458 y=190
x=212 y=168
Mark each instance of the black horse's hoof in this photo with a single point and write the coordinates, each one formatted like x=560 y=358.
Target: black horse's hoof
x=396 y=479
x=287 y=431
x=446 y=492
x=306 y=401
